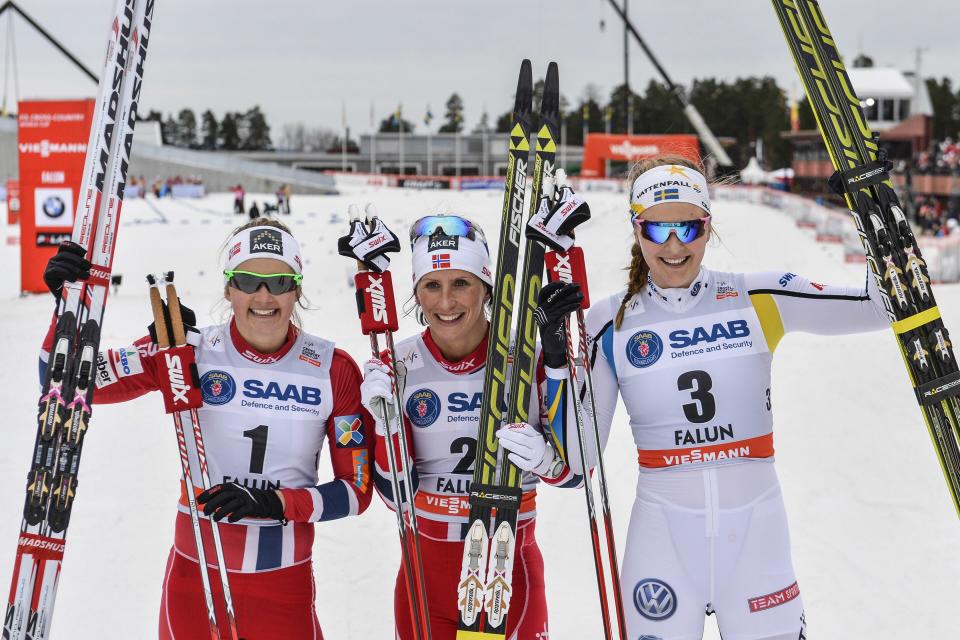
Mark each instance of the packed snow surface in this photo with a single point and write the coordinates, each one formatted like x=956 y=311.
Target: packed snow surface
x=876 y=542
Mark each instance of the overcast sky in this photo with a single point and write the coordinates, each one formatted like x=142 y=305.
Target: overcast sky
x=301 y=60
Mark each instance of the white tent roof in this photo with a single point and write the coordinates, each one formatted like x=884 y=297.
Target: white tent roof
x=879 y=82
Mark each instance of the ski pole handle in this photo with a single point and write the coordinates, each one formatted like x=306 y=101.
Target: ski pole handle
x=159 y=317
x=569 y=266
x=375 y=303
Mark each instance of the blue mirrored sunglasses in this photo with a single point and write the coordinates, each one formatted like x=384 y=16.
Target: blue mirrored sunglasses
x=451 y=225
x=659 y=232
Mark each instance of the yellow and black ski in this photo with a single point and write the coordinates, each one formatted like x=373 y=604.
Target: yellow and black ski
x=485 y=589
x=862 y=177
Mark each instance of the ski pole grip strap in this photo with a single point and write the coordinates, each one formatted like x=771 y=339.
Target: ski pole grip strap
x=375 y=304
x=916 y=320
x=859 y=177
x=940 y=389
x=569 y=267
x=177 y=366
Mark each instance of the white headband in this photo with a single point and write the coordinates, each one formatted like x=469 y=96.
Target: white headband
x=441 y=252
x=669 y=183
x=264 y=242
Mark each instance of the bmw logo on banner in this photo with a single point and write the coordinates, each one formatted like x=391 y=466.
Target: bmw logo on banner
x=53 y=207
x=654 y=599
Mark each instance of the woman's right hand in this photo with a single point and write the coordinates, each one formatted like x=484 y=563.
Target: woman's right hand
x=376 y=390
x=68 y=264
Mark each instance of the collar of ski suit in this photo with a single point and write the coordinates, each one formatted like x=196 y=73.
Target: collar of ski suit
x=250 y=353
x=474 y=361
x=681 y=299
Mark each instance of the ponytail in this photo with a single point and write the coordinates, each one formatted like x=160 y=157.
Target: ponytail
x=637 y=279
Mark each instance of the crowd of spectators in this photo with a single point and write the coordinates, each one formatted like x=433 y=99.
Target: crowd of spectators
x=942 y=158
x=161 y=187
x=936 y=216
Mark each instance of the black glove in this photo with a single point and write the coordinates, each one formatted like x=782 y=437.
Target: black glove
x=234 y=501
x=186 y=314
x=69 y=264
x=369 y=242
x=556 y=301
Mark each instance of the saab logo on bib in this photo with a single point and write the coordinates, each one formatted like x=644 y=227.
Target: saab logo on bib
x=654 y=599
x=719 y=331
x=423 y=407
x=259 y=390
x=217 y=387
x=644 y=348
x=266 y=241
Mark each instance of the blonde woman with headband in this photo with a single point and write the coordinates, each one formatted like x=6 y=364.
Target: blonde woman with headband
x=272 y=394
x=689 y=350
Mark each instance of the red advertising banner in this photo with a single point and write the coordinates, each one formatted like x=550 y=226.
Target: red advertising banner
x=601 y=147
x=13 y=202
x=52 y=143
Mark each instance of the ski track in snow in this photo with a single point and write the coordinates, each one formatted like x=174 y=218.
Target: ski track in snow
x=876 y=543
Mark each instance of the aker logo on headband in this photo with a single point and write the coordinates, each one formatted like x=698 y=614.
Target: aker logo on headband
x=266 y=241
x=440 y=242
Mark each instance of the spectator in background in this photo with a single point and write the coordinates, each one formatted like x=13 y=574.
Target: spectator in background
x=238 y=196
x=254 y=211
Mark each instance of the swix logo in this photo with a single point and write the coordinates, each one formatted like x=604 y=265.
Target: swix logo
x=260 y=359
x=178 y=386
x=563 y=269
x=516 y=201
x=378 y=299
x=457 y=367
x=630 y=151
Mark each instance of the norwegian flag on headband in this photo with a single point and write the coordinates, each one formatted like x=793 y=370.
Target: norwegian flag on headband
x=441 y=261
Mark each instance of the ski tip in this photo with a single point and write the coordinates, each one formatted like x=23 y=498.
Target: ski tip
x=168 y=276
x=524 y=97
x=151 y=280
x=551 y=89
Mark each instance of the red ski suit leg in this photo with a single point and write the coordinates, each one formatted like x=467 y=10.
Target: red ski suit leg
x=527 y=619
x=269 y=604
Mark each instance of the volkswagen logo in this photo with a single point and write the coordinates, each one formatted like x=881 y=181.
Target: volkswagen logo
x=654 y=599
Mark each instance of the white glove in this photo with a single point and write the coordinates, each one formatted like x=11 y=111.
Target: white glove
x=377 y=385
x=527 y=446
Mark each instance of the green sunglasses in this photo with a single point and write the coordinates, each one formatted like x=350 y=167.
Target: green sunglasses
x=250 y=281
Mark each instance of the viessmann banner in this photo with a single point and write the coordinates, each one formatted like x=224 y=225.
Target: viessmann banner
x=52 y=145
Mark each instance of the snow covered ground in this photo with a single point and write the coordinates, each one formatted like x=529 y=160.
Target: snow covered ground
x=876 y=541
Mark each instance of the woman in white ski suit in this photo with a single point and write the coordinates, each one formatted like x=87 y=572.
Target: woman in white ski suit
x=690 y=351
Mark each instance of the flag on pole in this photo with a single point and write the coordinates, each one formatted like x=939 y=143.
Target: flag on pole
x=398 y=115
x=427 y=117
